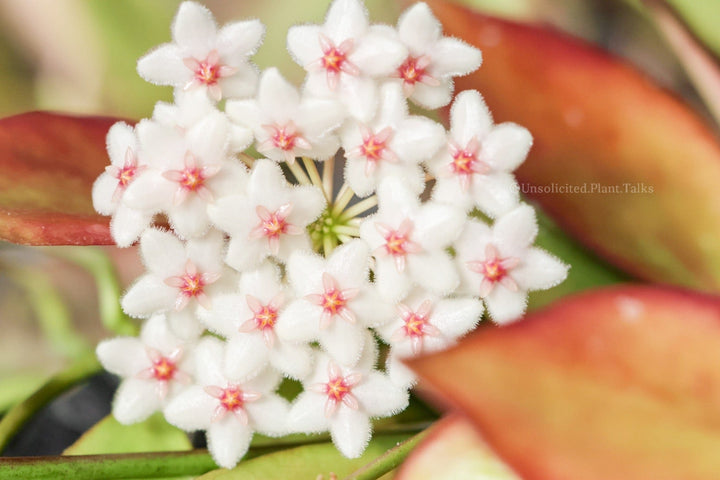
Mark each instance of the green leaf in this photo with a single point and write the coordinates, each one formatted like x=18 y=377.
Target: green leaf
x=109 y=436
x=15 y=387
x=305 y=462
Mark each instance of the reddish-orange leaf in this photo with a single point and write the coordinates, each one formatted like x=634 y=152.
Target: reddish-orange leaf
x=620 y=383
x=601 y=125
x=49 y=163
x=453 y=449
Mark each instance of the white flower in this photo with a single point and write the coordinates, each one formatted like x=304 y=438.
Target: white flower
x=181 y=278
x=186 y=172
x=228 y=409
x=108 y=190
x=343 y=400
x=286 y=125
x=427 y=72
x=344 y=55
x=392 y=144
x=203 y=57
x=269 y=219
x=475 y=168
x=248 y=319
x=409 y=241
x=335 y=301
x=154 y=367
x=423 y=324
x=500 y=265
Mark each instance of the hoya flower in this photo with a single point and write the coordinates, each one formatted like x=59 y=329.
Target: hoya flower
x=153 y=368
x=345 y=55
x=284 y=123
x=268 y=219
x=248 y=320
x=108 y=190
x=229 y=410
x=500 y=265
x=186 y=172
x=203 y=57
x=475 y=170
x=425 y=323
x=335 y=302
x=343 y=400
x=394 y=143
x=433 y=60
x=180 y=279
x=409 y=239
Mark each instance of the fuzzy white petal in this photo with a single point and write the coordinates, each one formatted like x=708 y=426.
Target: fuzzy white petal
x=307 y=413
x=350 y=431
x=418 y=28
x=516 y=230
x=506 y=146
x=192 y=409
x=245 y=355
x=269 y=415
x=539 y=270
x=164 y=66
x=505 y=306
x=228 y=440
x=454 y=57
x=135 y=400
x=124 y=356
x=469 y=117
x=378 y=396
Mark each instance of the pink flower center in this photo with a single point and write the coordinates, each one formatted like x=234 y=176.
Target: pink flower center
x=126 y=175
x=372 y=148
x=163 y=369
x=337 y=388
x=494 y=270
x=333 y=301
x=266 y=318
x=465 y=162
x=397 y=242
x=412 y=71
x=416 y=325
x=231 y=399
x=335 y=59
x=274 y=224
x=192 y=179
x=191 y=284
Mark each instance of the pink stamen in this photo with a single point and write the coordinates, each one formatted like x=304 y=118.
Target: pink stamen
x=334 y=60
x=494 y=270
x=338 y=389
x=126 y=174
x=264 y=317
x=414 y=70
x=374 y=148
x=232 y=399
x=333 y=301
x=465 y=162
x=192 y=179
x=191 y=284
x=397 y=242
x=416 y=326
x=286 y=139
x=274 y=224
x=208 y=72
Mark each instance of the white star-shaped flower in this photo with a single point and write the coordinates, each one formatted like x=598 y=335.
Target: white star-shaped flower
x=109 y=189
x=433 y=60
x=392 y=144
x=342 y=400
x=500 y=265
x=268 y=219
x=475 y=170
x=248 y=320
x=284 y=123
x=409 y=240
x=228 y=409
x=181 y=278
x=345 y=55
x=425 y=323
x=203 y=57
x=335 y=302
x=186 y=172
x=154 y=368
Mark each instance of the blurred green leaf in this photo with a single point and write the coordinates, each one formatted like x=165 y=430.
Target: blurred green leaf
x=305 y=462
x=16 y=387
x=109 y=436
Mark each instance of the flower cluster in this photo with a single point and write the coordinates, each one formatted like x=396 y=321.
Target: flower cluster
x=259 y=269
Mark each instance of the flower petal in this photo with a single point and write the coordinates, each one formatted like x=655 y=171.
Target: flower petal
x=123 y=356
x=135 y=400
x=378 y=396
x=350 y=431
x=228 y=440
x=164 y=66
x=269 y=415
x=194 y=29
x=505 y=306
x=245 y=356
x=307 y=414
x=539 y=270
x=469 y=117
x=419 y=29
x=516 y=230
x=192 y=409
x=451 y=56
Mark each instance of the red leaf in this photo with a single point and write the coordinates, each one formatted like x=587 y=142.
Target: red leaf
x=600 y=123
x=49 y=163
x=621 y=383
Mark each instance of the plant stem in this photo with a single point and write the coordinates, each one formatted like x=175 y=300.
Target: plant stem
x=16 y=417
x=360 y=207
x=344 y=196
x=298 y=172
x=388 y=461
x=327 y=176
x=346 y=230
x=107 y=467
x=315 y=176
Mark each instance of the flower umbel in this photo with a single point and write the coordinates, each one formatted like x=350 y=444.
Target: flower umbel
x=259 y=268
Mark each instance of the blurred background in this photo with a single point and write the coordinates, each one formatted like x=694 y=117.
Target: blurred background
x=80 y=55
